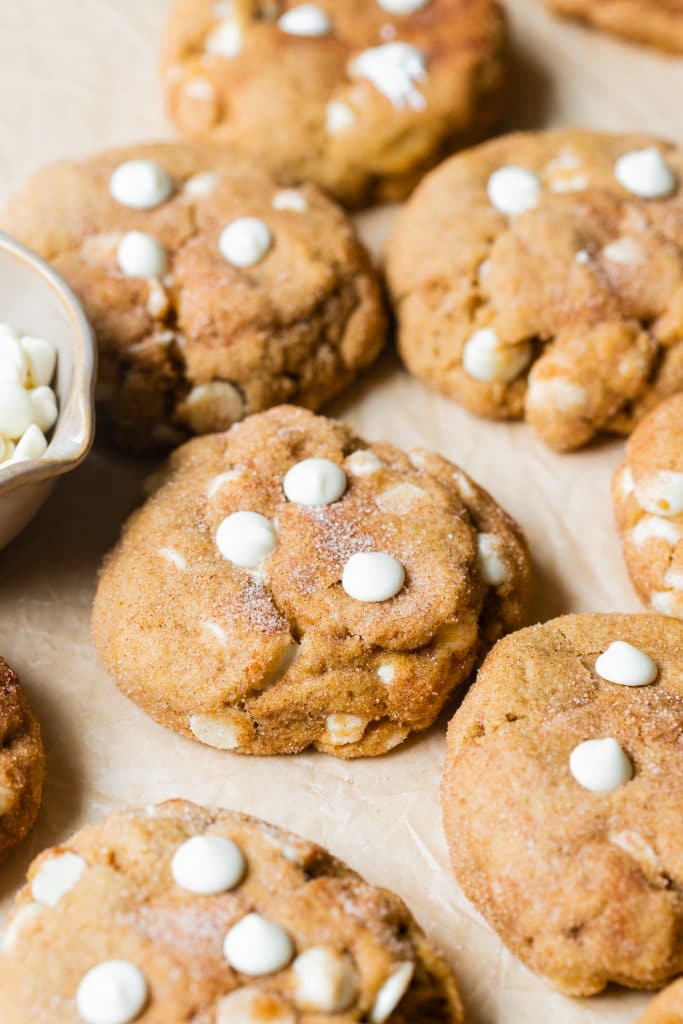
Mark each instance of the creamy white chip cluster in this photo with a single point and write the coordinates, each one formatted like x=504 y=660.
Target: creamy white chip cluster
x=28 y=403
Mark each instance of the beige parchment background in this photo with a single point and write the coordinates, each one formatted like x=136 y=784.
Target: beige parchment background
x=78 y=75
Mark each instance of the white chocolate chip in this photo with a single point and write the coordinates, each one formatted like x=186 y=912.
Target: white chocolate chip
x=656 y=528
x=386 y=674
x=246 y=538
x=391 y=993
x=600 y=765
x=174 y=557
x=282 y=664
x=626 y=251
x=363 y=463
x=141 y=255
x=490 y=561
x=221 y=480
x=341 y=729
x=223 y=731
x=583 y=256
x=56 y=876
x=16 y=411
x=667 y=602
x=339 y=117
x=556 y=392
x=200 y=89
x=219 y=401
x=622 y=663
x=401 y=499
x=7 y=449
x=14 y=365
x=252 y=1005
x=513 y=190
x=314 y=482
x=113 y=992
x=30 y=446
x=27 y=912
x=487 y=359
x=662 y=493
x=393 y=69
x=373 y=576
x=201 y=185
x=290 y=199
x=626 y=484
x=216 y=632
x=325 y=980
x=646 y=173
x=158 y=306
x=245 y=242
x=257 y=946
x=140 y=184
x=305 y=20
x=674 y=578
x=225 y=40
x=208 y=864
x=44 y=402
x=402 y=6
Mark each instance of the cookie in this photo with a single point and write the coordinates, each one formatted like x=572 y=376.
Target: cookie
x=561 y=799
x=656 y=23
x=540 y=276
x=213 y=292
x=667 y=1008
x=290 y=585
x=181 y=913
x=22 y=762
x=648 y=502
x=360 y=96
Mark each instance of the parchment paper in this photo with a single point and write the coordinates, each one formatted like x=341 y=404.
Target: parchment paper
x=78 y=75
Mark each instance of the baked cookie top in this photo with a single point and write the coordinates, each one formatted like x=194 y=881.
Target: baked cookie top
x=541 y=276
x=213 y=292
x=667 y=1008
x=179 y=913
x=562 y=794
x=22 y=761
x=361 y=96
x=648 y=501
x=654 y=22
x=291 y=585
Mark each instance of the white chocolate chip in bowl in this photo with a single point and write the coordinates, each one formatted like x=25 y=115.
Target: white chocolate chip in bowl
x=391 y=993
x=486 y=358
x=627 y=665
x=257 y=946
x=305 y=20
x=208 y=864
x=56 y=876
x=645 y=173
x=314 y=482
x=513 y=190
x=325 y=980
x=372 y=576
x=245 y=241
x=140 y=184
x=252 y=1005
x=141 y=255
x=246 y=538
x=600 y=765
x=112 y=992
x=393 y=69
x=341 y=729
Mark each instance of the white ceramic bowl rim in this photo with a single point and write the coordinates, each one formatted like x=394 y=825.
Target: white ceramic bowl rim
x=76 y=414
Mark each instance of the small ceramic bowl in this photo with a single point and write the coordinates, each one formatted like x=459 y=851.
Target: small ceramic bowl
x=37 y=301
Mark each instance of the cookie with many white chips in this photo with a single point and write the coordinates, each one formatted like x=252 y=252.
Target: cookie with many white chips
x=648 y=501
x=290 y=585
x=181 y=913
x=540 y=276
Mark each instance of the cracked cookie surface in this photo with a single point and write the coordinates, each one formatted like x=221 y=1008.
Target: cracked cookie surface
x=561 y=798
x=540 y=276
x=212 y=291
x=214 y=917
x=22 y=762
x=267 y=623
x=654 y=22
x=361 y=96
x=648 y=502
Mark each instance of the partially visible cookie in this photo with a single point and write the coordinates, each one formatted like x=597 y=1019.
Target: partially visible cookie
x=22 y=762
x=648 y=501
x=213 y=291
x=667 y=1008
x=360 y=96
x=540 y=276
x=562 y=797
x=178 y=913
x=291 y=585
x=653 y=22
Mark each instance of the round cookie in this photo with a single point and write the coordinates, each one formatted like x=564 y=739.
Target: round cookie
x=290 y=585
x=181 y=913
x=653 y=22
x=648 y=502
x=540 y=276
x=667 y=1008
x=561 y=798
x=360 y=96
x=213 y=292
x=22 y=762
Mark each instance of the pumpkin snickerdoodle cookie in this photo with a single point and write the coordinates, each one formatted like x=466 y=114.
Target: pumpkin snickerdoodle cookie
x=667 y=1008
x=648 y=501
x=360 y=96
x=177 y=913
x=540 y=276
x=562 y=794
x=653 y=22
x=290 y=585
x=213 y=292
x=22 y=762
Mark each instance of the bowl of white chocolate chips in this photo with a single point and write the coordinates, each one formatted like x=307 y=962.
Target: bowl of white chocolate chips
x=47 y=376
